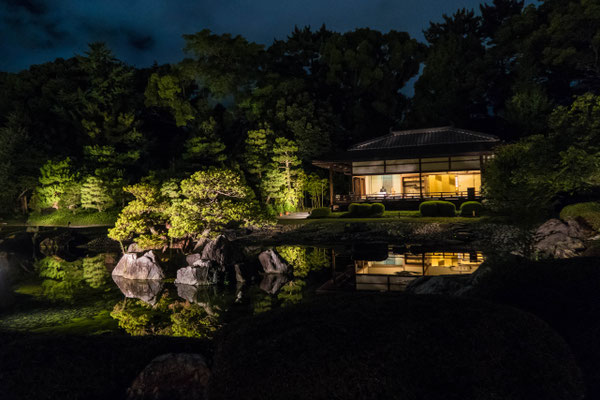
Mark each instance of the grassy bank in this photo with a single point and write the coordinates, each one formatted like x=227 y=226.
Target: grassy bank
x=388 y=216
x=68 y=218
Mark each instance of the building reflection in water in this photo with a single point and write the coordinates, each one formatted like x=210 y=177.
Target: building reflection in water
x=398 y=270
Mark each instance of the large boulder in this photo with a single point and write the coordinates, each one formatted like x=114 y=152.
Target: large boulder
x=202 y=272
x=222 y=251
x=272 y=263
x=558 y=239
x=146 y=290
x=172 y=376
x=133 y=266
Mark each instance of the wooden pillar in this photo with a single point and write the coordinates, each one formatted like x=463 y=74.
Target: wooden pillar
x=420 y=180
x=330 y=185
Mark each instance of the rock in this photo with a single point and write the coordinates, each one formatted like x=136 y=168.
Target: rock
x=200 y=244
x=222 y=251
x=272 y=283
x=132 y=266
x=134 y=248
x=180 y=376
x=192 y=259
x=272 y=262
x=145 y=290
x=557 y=239
x=203 y=272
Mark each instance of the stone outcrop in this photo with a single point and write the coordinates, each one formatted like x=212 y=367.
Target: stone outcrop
x=272 y=263
x=133 y=266
x=180 y=376
x=201 y=272
x=146 y=290
x=223 y=252
x=558 y=239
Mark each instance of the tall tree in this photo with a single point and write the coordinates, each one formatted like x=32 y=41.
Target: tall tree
x=451 y=89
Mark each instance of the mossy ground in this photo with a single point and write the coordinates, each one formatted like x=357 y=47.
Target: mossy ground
x=74 y=219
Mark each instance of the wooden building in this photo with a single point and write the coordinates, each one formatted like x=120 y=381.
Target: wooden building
x=413 y=165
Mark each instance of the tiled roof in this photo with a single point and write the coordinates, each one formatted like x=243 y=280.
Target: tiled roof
x=425 y=137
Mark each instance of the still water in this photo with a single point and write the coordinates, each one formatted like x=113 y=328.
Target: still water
x=77 y=294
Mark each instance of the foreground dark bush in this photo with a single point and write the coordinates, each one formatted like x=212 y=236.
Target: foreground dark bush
x=321 y=212
x=437 y=208
x=80 y=367
x=471 y=209
x=564 y=293
x=364 y=210
x=394 y=347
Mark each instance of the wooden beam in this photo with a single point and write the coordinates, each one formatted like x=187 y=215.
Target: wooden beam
x=330 y=185
x=420 y=180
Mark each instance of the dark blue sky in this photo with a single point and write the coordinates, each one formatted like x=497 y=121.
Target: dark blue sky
x=143 y=31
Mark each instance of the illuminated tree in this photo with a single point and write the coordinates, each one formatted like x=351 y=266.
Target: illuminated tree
x=55 y=179
x=144 y=219
x=284 y=181
x=256 y=155
x=317 y=189
x=96 y=194
x=212 y=199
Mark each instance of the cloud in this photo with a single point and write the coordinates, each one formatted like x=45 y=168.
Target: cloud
x=142 y=31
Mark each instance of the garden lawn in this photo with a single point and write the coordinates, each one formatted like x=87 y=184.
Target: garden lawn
x=77 y=219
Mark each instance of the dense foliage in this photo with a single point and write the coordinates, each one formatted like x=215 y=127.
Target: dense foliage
x=74 y=132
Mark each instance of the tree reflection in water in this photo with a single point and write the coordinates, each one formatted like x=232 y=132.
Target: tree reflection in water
x=282 y=290
x=168 y=316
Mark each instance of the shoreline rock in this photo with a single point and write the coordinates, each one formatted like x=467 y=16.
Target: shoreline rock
x=133 y=266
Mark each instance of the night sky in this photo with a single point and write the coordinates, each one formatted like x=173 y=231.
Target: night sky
x=143 y=31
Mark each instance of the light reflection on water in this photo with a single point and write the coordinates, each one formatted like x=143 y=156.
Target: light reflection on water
x=68 y=291
x=396 y=271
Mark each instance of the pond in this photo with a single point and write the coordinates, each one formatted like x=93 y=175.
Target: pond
x=74 y=292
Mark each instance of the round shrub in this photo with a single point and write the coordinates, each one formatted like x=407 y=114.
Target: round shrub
x=377 y=210
x=471 y=209
x=384 y=346
x=321 y=212
x=589 y=212
x=437 y=208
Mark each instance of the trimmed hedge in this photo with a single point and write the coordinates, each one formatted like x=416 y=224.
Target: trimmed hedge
x=437 y=208
x=471 y=209
x=365 y=210
x=321 y=212
x=377 y=209
x=589 y=212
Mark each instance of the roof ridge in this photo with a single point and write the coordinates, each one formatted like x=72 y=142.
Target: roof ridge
x=478 y=136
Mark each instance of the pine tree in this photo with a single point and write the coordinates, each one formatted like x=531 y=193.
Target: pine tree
x=95 y=194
